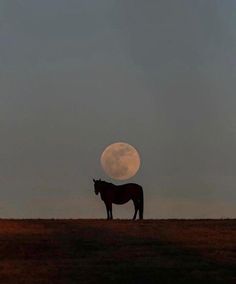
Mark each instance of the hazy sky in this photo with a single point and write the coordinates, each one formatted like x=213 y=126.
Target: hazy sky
x=76 y=76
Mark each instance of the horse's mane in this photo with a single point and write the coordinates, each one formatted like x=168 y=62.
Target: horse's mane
x=107 y=183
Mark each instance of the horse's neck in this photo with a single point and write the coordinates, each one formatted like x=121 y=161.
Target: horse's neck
x=104 y=190
x=107 y=188
x=103 y=193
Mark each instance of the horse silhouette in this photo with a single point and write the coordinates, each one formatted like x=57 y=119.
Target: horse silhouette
x=120 y=194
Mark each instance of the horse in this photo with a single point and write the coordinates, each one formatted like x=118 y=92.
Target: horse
x=120 y=194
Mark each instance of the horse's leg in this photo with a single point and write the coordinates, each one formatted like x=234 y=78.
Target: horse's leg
x=111 y=217
x=135 y=209
x=107 y=208
x=140 y=206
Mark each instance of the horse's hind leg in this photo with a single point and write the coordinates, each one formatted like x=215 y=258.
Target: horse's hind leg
x=110 y=208
x=135 y=209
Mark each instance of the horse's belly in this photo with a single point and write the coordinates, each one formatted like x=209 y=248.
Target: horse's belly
x=119 y=201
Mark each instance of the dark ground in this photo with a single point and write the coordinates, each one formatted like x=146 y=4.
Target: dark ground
x=118 y=251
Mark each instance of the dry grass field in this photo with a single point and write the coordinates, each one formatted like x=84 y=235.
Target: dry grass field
x=118 y=251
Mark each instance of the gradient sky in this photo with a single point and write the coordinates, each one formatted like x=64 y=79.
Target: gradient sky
x=76 y=76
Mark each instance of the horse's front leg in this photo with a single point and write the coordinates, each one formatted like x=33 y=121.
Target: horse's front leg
x=107 y=208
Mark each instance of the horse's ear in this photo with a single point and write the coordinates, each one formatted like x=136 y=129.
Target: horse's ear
x=99 y=179
x=94 y=180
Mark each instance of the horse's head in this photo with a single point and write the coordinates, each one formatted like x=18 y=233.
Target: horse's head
x=97 y=185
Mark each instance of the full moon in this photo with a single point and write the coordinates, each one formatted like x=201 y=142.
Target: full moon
x=120 y=161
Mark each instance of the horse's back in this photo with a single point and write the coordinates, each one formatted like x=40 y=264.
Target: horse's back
x=129 y=186
x=123 y=193
x=130 y=189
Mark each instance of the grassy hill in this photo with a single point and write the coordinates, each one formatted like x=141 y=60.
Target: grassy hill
x=118 y=251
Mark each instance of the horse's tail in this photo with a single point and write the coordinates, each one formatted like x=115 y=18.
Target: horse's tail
x=141 y=205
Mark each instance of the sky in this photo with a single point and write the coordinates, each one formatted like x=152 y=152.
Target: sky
x=76 y=76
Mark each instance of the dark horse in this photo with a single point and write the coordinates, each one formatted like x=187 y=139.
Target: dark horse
x=120 y=194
